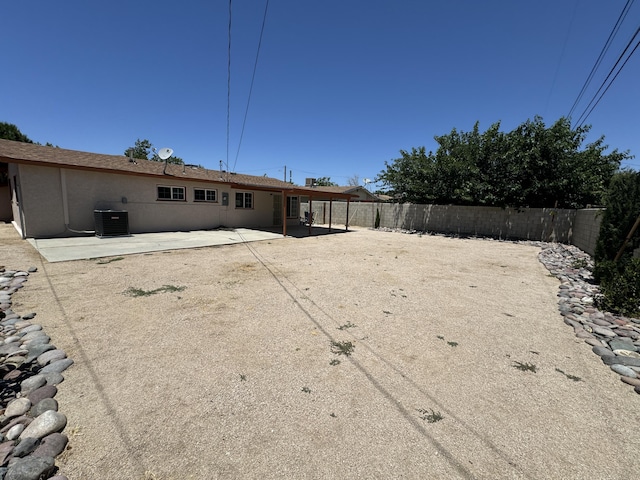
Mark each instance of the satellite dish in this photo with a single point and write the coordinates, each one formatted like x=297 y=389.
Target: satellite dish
x=366 y=180
x=165 y=153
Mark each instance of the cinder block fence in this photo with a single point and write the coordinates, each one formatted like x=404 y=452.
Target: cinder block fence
x=576 y=227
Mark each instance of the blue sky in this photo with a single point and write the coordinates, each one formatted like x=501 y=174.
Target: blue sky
x=341 y=85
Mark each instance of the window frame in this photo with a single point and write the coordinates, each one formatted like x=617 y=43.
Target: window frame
x=173 y=192
x=244 y=202
x=206 y=192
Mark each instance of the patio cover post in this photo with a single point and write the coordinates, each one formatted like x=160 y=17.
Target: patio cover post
x=330 y=211
x=346 y=221
x=310 y=219
x=284 y=213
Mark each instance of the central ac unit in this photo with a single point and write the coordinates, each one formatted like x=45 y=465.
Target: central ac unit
x=111 y=223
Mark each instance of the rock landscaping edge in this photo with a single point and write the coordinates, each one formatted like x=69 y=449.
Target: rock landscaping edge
x=30 y=368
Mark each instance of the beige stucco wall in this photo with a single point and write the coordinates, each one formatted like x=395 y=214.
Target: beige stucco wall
x=87 y=191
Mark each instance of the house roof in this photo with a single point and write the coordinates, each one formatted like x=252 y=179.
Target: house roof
x=351 y=189
x=32 y=154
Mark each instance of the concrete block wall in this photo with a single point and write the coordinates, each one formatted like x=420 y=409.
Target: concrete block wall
x=578 y=227
x=533 y=224
x=587 y=228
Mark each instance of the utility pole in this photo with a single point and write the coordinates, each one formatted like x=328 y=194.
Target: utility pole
x=285 y=173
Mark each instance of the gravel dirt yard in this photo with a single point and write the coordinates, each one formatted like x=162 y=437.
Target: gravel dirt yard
x=233 y=367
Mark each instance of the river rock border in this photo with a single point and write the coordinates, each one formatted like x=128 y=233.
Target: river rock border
x=616 y=339
x=30 y=369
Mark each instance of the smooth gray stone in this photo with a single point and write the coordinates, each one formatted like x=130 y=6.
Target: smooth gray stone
x=25 y=447
x=622 y=344
x=580 y=333
x=45 y=424
x=44 y=405
x=39 y=340
x=605 y=332
x=51 y=356
x=22 y=324
x=9 y=348
x=31 y=335
x=601 y=322
x=30 y=468
x=28 y=316
x=603 y=351
x=32 y=383
x=17 y=407
x=53 y=378
x=32 y=269
x=52 y=445
x=594 y=342
x=627 y=333
x=36 y=350
x=15 y=431
x=30 y=328
x=58 y=366
x=624 y=371
x=626 y=361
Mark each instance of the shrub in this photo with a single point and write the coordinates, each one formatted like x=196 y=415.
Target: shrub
x=622 y=208
x=620 y=287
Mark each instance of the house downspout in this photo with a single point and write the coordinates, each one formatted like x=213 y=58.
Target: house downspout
x=65 y=203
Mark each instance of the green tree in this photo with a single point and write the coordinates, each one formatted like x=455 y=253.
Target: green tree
x=143 y=149
x=531 y=166
x=9 y=131
x=325 y=182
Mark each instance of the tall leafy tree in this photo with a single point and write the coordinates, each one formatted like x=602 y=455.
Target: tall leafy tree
x=9 y=131
x=533 y=165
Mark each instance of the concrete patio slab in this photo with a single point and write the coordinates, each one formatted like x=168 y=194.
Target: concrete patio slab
x=79 y=248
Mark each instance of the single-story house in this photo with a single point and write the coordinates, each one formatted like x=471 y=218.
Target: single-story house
x=53 y=192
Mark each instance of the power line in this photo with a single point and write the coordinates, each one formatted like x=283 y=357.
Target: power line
x=228 y=84
x=564 y=48
x=604 y=50
x=255 y=67
x=581 y=120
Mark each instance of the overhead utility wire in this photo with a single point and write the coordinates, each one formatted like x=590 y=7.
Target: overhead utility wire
x=582 y=120
x=228 y=84
x=253 y=77
x=604 y=50
x=583 y=117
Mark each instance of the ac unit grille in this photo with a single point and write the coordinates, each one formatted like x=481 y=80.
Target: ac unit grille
x=111 y=223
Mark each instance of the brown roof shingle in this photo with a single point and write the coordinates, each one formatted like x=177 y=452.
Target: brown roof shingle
x=29 y=153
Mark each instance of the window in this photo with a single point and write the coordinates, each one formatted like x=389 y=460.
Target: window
x=244 y=200
x=171 y=193
x=204 y=195
x=293 y=207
